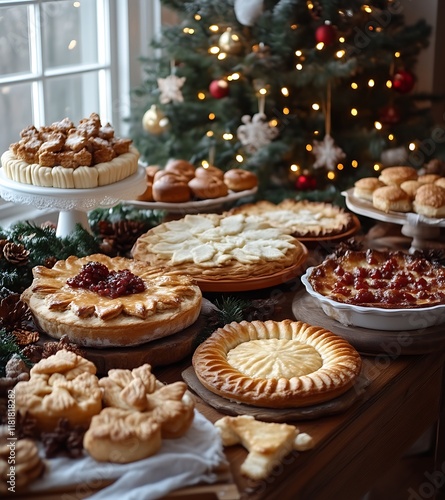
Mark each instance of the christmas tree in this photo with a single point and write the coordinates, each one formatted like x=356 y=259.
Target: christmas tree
x=312 y=94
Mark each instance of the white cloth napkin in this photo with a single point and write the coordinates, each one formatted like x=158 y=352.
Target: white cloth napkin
x=180 y=462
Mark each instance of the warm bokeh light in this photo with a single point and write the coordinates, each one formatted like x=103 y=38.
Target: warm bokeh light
x=354 y=163
x=308 y=147
x=319 y=46
x=212 y=116
x=210 y=133
x=214 y=28
x=214 y=50
x=285 y=91
x=377 y=167
x=239 y=158
x=299 y=66
x=222 y=56
x=371 y=83
x=354 y=112
x=378 y=125
x=286 y=111
x=391 y=137
x=330 y=176
x=412 y=146
x=354 y=86
x=201 y=96
x=389 y=83
x=227 y=136
x=340 y=166
x=294 y=167
x=315 y=106
x=298 y=53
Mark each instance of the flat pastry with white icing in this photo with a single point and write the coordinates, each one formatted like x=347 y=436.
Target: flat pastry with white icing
x=273 y=364
x=104 y=302
x=212 y=246
x=301 y=218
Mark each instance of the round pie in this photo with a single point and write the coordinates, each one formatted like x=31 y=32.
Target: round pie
x=154 y=304
x=273 y=364
x=214 y=247
x=301 y=218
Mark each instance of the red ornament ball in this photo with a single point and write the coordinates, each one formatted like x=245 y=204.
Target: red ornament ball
x=403 y=81
x=326 y=33
x=219 y=89
x=389 y=115
x=305 y=182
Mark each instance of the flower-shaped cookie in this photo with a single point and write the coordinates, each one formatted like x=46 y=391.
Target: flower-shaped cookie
x=138 y=390
x=63 y=385
x=140 y=412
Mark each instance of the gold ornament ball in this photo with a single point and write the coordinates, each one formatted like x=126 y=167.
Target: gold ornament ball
x=230 y=42
x=154 y=121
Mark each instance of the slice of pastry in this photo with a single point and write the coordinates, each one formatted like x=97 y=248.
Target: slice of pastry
x=430 y=201
x=267 y=442
x=365 y=187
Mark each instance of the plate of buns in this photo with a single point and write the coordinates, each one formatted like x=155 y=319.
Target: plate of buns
x=180 y=187
x=397 y=192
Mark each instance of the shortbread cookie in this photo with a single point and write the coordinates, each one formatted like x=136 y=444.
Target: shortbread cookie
x=61 y=386
x=267 y=442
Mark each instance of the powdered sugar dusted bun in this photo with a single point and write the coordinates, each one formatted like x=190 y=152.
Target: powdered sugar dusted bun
x=394 y=176
x=391 y=198
x=430 y=201
x=180 y=167
x=208 y=187
x=171 y=188
x=238 y=179
x=364 y=187
x=210 y=170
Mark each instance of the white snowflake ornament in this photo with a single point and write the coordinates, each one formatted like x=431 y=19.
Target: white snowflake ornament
x=256 y=132
x=170 y=88
x=326 y=153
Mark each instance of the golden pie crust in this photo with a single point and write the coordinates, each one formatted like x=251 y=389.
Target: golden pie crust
x=168 y=304
x=273 y=364
x=211 y=246
x=301 y=218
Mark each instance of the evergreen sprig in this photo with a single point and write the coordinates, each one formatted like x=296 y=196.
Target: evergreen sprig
x=8 y=347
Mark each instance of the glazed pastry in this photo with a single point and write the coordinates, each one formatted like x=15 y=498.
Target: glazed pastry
x=391 y=198
x=430 y=200
x=208 y=187
x=394 y=176
x=238 y=179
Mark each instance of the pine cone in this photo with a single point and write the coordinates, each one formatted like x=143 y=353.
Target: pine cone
x=121 y=235
x=33 y=353
x=14 y=314
x=49 y=262
x=64 y=439
x=25 y=337
x=25 y=426
x=16 y=254
x=50 y=348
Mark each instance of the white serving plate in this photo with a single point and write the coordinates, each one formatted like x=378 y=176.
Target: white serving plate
x=376 y=318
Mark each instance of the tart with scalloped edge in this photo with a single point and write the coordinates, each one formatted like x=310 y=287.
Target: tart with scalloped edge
x=217 y=247
x=302 y=218
x=272 y=364
x=104 y=315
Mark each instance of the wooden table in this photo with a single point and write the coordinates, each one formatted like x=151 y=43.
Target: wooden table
x=355 y=448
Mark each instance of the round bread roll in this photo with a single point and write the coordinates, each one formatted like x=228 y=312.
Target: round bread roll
x=430 y=201
x=364 y=187
x=391 y=198
x=208 y=187
x=440 y=182
x=394 y=176
x=410 y=187
x=238 y=179
x=210 y=170
x=428 y=178
x=170 y=188
x=150 y=172
x=181 y=167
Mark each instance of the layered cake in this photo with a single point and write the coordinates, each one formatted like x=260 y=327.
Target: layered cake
x=67 y=156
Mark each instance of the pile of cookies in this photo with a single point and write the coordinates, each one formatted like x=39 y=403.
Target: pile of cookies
x=402 y=189
x=180 y=182
x=127 y=414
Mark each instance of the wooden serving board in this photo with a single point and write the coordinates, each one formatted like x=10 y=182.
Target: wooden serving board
x=389 y=343
x=228 y=407
x=160 y=352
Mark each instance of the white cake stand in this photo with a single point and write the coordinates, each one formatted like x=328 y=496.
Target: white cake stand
x=424 y=232
x=73 y=204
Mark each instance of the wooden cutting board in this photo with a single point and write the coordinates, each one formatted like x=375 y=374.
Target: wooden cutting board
x=232 y=408
x=389 y=343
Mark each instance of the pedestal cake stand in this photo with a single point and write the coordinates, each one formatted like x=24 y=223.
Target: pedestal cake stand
x=72 y=204
x=424 y=232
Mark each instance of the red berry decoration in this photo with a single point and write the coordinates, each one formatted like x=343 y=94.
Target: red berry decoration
x=326 y=33
x=305 y=182
x=389 y=115
x=403 y=81
x=219 y=89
